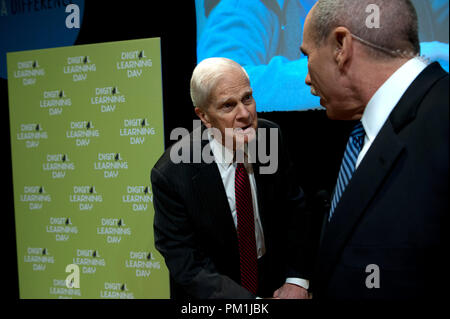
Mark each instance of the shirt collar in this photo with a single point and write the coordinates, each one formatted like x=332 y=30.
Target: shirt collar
x=388 y=95
x=222 y=155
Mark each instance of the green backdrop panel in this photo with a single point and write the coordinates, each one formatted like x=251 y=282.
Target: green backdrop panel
x=86 y=129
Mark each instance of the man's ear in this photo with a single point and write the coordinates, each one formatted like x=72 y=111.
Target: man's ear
x=203 y=116
x=343 y=44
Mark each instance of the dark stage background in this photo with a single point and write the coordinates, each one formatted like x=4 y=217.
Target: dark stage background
x=316 y=144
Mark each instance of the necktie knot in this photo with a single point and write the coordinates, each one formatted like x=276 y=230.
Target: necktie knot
x=357 y=135
x=240 y=168
x=358 y=130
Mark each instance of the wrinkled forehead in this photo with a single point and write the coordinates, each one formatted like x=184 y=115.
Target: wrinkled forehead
x=234 y=71
x=232 y=82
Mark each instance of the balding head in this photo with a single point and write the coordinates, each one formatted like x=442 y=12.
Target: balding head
x=397 y=32
x=347 y=60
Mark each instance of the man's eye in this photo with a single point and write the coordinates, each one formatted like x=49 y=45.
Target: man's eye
x=247 y=98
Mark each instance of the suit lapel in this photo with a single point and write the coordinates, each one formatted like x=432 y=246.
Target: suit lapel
x=212 y=197
x=407 y=107
x=364 y=184
x=373 y=170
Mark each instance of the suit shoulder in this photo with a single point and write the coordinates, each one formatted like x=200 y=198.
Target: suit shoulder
x=437 y=98
x=441 y=88
x=166 y=163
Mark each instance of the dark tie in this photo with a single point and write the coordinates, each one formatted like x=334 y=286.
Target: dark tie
x=352 y=150
x=246 y=230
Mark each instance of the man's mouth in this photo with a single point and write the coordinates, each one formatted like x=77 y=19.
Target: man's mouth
x=243 y=130
x=314 y=91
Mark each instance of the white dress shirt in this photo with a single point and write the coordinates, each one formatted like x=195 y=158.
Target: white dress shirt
x=227 y=168
x=385 y=99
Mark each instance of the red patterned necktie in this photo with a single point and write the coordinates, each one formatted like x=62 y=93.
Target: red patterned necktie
x=246 y=230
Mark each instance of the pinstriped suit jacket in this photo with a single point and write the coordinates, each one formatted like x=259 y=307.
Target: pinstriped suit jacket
x=195 y=233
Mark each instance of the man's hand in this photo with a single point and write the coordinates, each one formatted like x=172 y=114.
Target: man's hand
x=291 y=291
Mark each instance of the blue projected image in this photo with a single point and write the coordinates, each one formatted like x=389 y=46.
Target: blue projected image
x=30 y=25
x=264 y=36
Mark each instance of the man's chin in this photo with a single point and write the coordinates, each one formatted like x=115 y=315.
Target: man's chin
x=341 y=116
x=323 y=102
x=249 y=138
x=245 y=136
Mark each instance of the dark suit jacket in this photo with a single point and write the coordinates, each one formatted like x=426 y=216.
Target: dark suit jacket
x=195 y=233
x=393 y=213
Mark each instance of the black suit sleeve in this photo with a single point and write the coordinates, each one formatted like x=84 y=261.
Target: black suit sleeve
x=175 y=239
x=286 y=219
x=298 y=254
x=297 y=220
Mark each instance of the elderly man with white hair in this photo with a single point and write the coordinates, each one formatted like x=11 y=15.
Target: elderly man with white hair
x=225 y=228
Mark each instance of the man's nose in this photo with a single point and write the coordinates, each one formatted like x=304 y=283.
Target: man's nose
x=243 y=112
x=308 y=80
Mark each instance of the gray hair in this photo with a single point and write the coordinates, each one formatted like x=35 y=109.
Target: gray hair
x=205 y=77
x=398 y=31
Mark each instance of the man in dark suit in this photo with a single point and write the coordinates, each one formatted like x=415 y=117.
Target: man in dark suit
x=384 y=234
x=209 y=247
